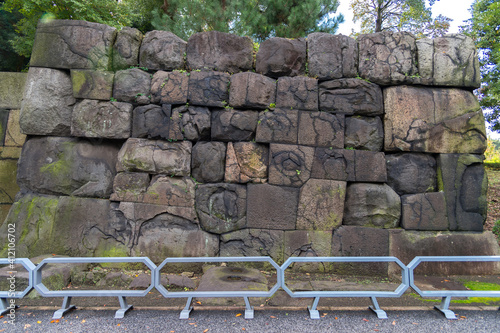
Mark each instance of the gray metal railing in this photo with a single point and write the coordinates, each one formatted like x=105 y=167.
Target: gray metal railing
x=35 y=281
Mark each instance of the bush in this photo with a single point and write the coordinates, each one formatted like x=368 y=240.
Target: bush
x=496 y=228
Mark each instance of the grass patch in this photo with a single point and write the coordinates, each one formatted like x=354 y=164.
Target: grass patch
x=471 y=285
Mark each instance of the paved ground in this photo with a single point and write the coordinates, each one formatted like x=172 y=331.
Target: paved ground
x=266 y=320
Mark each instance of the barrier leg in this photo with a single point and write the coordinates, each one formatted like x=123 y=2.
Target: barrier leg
x=248 y=309
x=443 y=307
x=66 y=307
x=187 y=309
x=313 y=312
x=376 y=308
x=124 y=307
x=5 y=307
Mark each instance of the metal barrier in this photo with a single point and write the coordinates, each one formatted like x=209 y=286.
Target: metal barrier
x=68 y=294
x=314 y=313
x=249 y=313
x=407 y=280
x=446 y=295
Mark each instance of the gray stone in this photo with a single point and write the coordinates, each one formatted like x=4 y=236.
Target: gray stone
x=424 y=211
x=11 y=89
x=253 y=242
x=92 y=84
x=151 y=121
x=331 y=56
x=169 y=87
x=73 y=44
x=303 y=243
x=409 y=173
x=372 y=205
x=115 y=279
x=370 y=166
x=272 y=207
x=131 y=84
x=196 y=122
x=141 y=282
x=351 y=97
x=387 y=57
x=364 y=133
x=207 y=161
x=450 y=60
x=422 y=119
x=96 y=119
x=290 y=165
x=463 y=179
x=246 y=162
x=321 y=129
x=209 y=88
x=353 y=241
x=278 y=126
x=68 y=166
x=219 y=51
x=171 y=191
x=297 y=93
x=180 y=281
x=162 y=50
x=130 y=186
x=335 y=164
x=155 y=156
x=251 y=90
x=126 y=48
x=47 y=104
x=221 y=207
x=281 y=57
x=406 y=245
x=233 y=125
x=232 y=278
x=321 y=204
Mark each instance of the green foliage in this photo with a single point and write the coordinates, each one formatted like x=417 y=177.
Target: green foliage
x=259 y=19
x=496 y=228
x=9 y=60
x=483 y=29
x=399 y=15
x=108 y=12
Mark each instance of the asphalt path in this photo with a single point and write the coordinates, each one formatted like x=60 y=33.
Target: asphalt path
x=226 y=321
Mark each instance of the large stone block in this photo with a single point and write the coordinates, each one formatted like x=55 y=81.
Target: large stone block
x=97 y=119
x=207 y=161
x=126 y=48
x=406 y=245
x=332 y=56
x=251 y=90
x=433 y=120
x=450 y=60
x=321 y=129
x=278 y=126
x=463 y=179
x=73 y=44
x=387 y=58
x=233 y=125
x=219 y=51
x=272 y=207
x=48 y=102
x=196 y=122
x=372 y=205
x=221 y=207
x=299 y=93
x=68 y=166
x=151 y=121
x=409 y=173
x=424 y=211
x=162 y=50
x=169 y=87
x=155 y=156
x=130 y=186
x=253 y=242
x=8 y=185
x=290 y=165
x=11 y=89
x=364 y=133
x=92 y=84
x=321 y=204
x=170 y=191
x=281 y=57
x=353 y=241
x=246 y=162
x=130 y=84
x=351 y=97
x=209 y=88
x=370 y=166
x=303 y=243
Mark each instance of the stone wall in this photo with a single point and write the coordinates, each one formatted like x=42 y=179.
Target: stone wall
x=324 y=146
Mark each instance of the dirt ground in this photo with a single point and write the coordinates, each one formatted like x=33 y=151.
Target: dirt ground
x=493 y=197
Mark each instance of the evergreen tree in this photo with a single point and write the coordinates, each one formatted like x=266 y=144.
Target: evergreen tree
x=10 y=61
x=399 y=15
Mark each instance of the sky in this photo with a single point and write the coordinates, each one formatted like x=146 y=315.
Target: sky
x=458 y=10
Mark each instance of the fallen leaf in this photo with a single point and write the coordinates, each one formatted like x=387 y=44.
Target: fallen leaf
x=238 y=314
x=376 y=330
x=198 y=302
x=118 y=324
x=394 y=322
x=1 y=316
x=273 y=317
x=243 y=329
x=205 y=331
x=364 y=319
x=26 y=326
x=192 y=323
x=463 y=317
x=415 y=323
x=39 y=322
x=83 y=321
x=336 y=318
